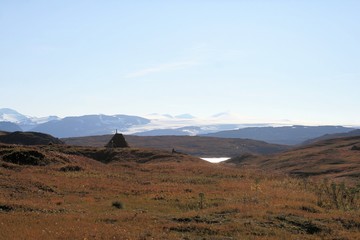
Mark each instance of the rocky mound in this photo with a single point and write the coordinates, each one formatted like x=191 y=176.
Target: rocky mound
x=25 y=157
x=117 y=141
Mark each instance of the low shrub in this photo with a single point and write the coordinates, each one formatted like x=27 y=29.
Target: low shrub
x=338 y=196
x=70 y=168
x=26 y=157
x=118 y=205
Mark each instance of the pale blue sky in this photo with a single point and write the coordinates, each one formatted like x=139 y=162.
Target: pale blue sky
x=264 y=60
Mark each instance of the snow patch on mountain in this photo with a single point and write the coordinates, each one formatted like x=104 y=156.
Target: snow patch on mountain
x=10 y=115
x=40 y=120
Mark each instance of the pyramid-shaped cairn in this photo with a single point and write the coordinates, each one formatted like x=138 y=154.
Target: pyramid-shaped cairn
x=117 y=141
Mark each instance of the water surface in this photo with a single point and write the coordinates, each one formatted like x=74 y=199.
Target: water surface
x=216 y=160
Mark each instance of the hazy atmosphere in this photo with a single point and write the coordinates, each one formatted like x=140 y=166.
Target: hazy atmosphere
x=180 y=119
x=264 y=61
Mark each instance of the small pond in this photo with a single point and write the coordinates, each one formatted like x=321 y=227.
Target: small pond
x=216 y=160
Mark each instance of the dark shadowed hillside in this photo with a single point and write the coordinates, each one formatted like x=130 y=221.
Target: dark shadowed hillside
x=290 y=135
x=353 y=133
x=28 y=138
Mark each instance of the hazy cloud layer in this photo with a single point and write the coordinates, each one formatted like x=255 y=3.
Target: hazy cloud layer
x=162 y=68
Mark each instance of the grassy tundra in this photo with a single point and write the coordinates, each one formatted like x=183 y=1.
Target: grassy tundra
x=65 y=192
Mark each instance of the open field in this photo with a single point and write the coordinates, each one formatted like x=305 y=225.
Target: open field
x=62 y=192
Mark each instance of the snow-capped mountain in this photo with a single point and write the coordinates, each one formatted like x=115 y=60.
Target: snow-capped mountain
x=40 y=120
x=89 y=125
x=10 y=115
x=69 y=126
x=188 y=130
x=220 y=125
x=24 y=122
x=152 y=124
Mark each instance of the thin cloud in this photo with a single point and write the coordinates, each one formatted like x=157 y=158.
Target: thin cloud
x=161 y=68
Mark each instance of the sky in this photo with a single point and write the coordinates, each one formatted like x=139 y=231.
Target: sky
x=262 y=60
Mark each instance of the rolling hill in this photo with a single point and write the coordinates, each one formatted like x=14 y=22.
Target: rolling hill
x=289 y=135
x=353 y=133
x=337 y=159
x=28 y=138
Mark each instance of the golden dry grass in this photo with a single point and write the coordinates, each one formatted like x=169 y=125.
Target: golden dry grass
x=166 y=197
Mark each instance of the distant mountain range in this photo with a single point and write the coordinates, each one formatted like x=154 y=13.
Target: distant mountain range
x=22 y=121
x=9 y=127
x=187 y=130
x=69 y=126
x=89 y=125
x=163 y=125
x=288 y=135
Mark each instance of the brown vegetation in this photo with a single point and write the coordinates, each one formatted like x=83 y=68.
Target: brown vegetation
x=152 y=194
x=335 y=159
